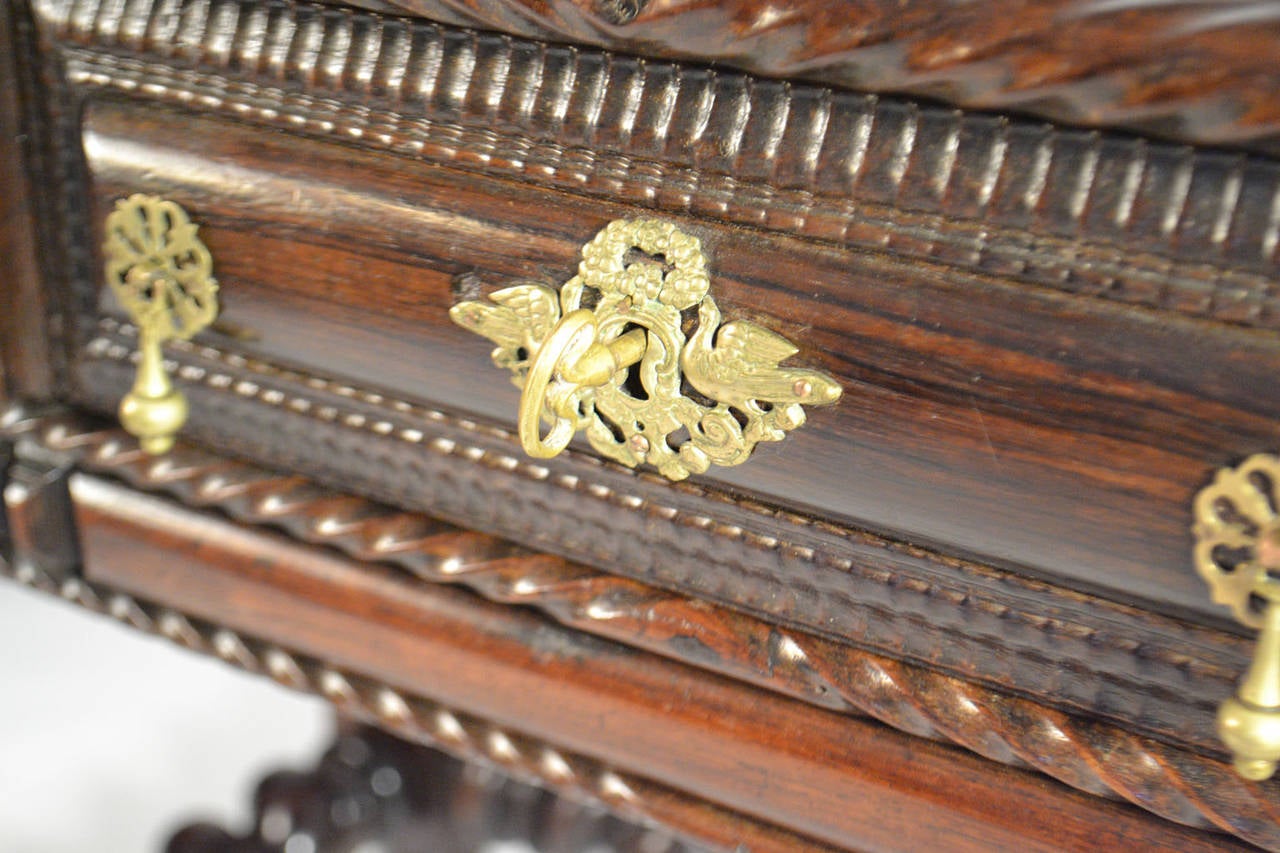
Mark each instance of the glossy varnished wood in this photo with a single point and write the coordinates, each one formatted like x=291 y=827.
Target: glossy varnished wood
x=1111 y=216
x=1174 y=782
x=25 y=370
x=1049 y=337
x=848 y=783
x=1057 y=434
x=1202 y=71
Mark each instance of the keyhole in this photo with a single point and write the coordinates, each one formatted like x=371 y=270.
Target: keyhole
x=633 y=384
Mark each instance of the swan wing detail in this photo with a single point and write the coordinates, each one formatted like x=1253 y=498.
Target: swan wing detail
x=537 y=307
x=516 y=317
x=753 y=347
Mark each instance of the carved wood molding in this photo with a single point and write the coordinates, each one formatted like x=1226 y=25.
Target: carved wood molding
x=370 y=787
x=425 y=721
x=1103 y=216
x=977 y=622
x=1178 y=784
x=1202 y=72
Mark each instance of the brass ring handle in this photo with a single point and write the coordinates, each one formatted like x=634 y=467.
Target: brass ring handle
x=565 y=341
x=707 y=392
x=581 y=362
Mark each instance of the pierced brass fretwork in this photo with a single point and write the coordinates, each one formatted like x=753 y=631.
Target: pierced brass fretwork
x=609 y=355
x=162 y=274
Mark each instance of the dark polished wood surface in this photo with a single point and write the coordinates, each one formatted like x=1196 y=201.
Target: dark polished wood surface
x=1199 y=71
x=24 y=369
x=1106 y=215
x=1170 y=776
x=848 y=783
x=371 y=790
x=1060 y=435
x=1049 y=337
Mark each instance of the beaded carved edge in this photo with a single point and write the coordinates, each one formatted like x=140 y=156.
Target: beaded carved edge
x=841 y=580
x=420 y=719
x=355 y=56
x=1078 y=61
x=1176 y=784
x=1112 y=217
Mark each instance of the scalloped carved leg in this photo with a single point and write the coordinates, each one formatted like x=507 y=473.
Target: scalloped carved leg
x=371 y=792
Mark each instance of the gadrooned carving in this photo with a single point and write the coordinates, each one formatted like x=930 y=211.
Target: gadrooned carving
x=1112 y=217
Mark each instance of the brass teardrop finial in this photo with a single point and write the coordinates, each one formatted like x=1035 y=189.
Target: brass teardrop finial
x=162 y=274
x=1249 y=722
x=1237 y=552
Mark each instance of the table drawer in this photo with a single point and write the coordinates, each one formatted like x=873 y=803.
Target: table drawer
x=1053 y=435
x=1061 y=435
x=1047 y=341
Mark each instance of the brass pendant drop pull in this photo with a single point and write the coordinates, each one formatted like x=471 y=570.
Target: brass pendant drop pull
x=1237 y=552
x=615 y=354
x=162 y=274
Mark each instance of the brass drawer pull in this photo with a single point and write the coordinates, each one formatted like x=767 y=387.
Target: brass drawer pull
x=162 y=274
x=1237 y=548
x=608 y=354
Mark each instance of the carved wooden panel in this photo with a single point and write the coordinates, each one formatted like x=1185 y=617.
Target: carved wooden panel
x=1048 y=338
x=1198 y=71
x=967 y=398
x=499 y=684
x=1167 y=775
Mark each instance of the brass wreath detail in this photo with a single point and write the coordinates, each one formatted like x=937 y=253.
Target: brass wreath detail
x=609 y=355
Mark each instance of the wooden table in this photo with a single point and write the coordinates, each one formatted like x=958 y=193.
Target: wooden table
x=1035 y=246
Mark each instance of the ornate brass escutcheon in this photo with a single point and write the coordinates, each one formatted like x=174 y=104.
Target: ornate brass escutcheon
x=162 y=274
x=1237 y=552
x=633 y=351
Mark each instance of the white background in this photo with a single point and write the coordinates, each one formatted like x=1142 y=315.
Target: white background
x=110 y=739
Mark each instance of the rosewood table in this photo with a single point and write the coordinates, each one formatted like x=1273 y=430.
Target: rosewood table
x=720 y=425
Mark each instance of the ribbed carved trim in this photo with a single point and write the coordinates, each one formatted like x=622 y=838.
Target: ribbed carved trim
x=1200 y=71
x=1101 y=759
x=1107 y=216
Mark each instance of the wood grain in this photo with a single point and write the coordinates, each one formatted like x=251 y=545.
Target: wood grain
x=1080 y=651
x=1200 y=72
x=421 y=720
x=1084 y=427
x=1080 y=750
x=1060 y=329
x=25 y=367
x=830 y=777
x=1110 y=216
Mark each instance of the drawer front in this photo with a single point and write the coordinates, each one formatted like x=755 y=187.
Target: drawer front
x=1047 y=341
x=1009 y=414
x=1062 y=435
